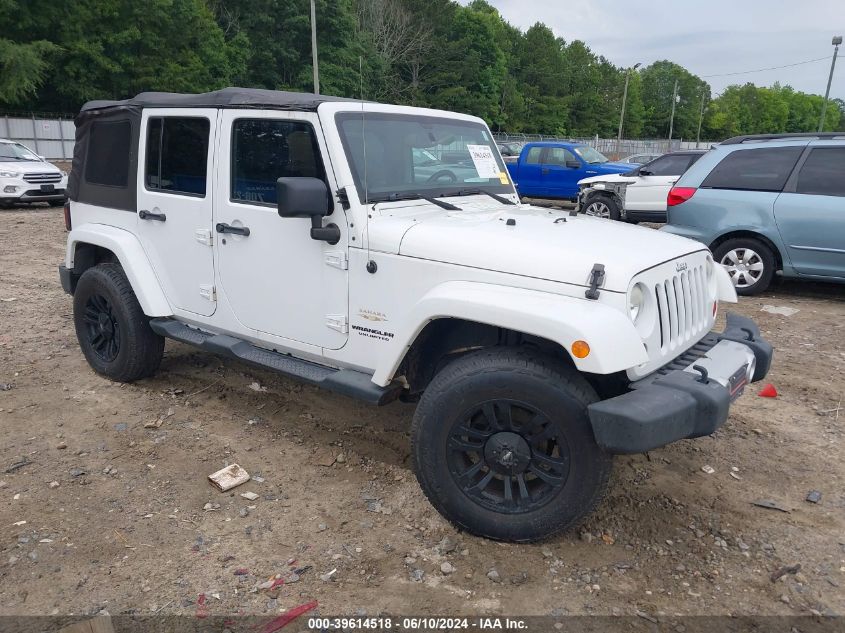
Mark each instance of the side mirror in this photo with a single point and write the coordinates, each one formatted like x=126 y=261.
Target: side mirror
x=645 y=172
x=302 y=197
x=573 y=164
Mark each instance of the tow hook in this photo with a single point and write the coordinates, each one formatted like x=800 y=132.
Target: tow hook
x=596 y=280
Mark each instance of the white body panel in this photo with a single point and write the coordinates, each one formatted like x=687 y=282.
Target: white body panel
x=282 y=290
x=278 y=281
x=643 y=193
x=183 y=264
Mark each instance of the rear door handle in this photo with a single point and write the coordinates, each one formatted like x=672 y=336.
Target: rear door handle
x=222 y=227
x=147 y=215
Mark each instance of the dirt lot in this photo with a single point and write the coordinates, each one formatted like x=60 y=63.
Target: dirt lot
x=110 y=514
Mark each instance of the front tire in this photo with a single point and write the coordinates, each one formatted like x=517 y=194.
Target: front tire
x=113 y=331
x=503 y=448
x=749 y=262
x=602 y=207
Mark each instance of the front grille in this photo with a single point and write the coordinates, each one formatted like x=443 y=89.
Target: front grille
x=43 y=178
x=682 y=307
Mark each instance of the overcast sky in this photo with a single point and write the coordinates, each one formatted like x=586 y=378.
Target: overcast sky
x=707 y=38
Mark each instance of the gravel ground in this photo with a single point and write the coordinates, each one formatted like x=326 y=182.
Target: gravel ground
x=112 y=510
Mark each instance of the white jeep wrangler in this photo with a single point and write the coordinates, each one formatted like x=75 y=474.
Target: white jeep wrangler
x=381 y=252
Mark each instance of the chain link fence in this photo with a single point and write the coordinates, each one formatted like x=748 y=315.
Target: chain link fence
x=610 y=147
x=52 y=136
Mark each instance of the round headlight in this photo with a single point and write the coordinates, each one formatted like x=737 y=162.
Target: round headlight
x=635 y=301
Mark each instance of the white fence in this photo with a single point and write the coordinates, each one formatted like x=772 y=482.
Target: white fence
x=51 y=138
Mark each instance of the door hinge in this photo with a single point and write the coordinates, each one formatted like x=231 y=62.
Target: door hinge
x=337 y=322
x=337 y=259
x=203 y=236
x=208 y=291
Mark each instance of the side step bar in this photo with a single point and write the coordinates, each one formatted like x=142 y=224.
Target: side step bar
x=348 y=382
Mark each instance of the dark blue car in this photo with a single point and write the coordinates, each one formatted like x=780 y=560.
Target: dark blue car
x=552 y=169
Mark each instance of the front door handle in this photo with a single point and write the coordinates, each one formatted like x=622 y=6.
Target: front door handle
x=544 y=170
x=147 y=215
x=222 y=227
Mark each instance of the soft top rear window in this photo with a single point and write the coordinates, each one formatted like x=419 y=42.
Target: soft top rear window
x=109 y=149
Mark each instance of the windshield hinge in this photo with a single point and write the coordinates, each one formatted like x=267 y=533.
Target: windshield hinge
x=343 y=197
x=595 y=281
x=337 y=322
x=336 y=259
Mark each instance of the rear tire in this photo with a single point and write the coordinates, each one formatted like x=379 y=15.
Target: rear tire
x=750 y=264
x=503 y=448
x=113 y=331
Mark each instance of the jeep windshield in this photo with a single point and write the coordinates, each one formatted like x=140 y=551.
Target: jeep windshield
x=590 y=155
x=401 y=156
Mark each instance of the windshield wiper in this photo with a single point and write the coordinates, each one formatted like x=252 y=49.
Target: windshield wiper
x=394 y=197
x=475 y=192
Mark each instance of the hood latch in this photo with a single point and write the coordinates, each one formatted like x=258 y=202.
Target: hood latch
x=596 y=280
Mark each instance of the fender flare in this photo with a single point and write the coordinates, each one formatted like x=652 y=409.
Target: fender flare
x=132 y=258
x=614 y=342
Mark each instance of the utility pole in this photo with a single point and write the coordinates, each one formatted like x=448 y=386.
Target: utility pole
x=314 y=47
x=622 y=115
x=700 y=119
x=837 y=40
x=672 y=118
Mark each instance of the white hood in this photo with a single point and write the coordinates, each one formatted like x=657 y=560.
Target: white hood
x=542 y=243
x=620 y=178
x=28 y=166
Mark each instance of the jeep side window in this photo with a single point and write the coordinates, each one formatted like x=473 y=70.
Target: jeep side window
x=823 y=173
x=264 y=150
x=177 y=155
x=762 y=169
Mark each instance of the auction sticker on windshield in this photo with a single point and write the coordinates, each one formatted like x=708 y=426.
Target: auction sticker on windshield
x=484 y=161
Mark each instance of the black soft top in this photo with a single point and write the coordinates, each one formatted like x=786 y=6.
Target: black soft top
x=225 y=98
x=111 y=131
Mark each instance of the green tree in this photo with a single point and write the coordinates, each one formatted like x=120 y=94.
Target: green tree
x=658 y=82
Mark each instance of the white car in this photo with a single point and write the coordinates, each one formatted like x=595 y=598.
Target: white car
x=640 y=194
x=27 y=177
x=292 y=232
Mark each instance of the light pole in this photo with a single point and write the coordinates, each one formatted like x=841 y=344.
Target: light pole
x=622 y=115
x=700 y=120
x=837 y=40
x=672 y=117
x=314 y=48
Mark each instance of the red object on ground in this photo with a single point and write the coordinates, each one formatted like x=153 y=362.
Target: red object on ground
x=768 y=391
x=202 y=610
x=288 y=616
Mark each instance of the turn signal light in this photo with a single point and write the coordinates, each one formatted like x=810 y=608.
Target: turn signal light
x=580 y=349
x=677 y=195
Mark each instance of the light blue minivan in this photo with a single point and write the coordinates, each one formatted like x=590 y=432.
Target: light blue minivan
x=766 y=204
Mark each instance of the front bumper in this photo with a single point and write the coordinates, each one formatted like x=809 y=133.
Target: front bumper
x=688 y=398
